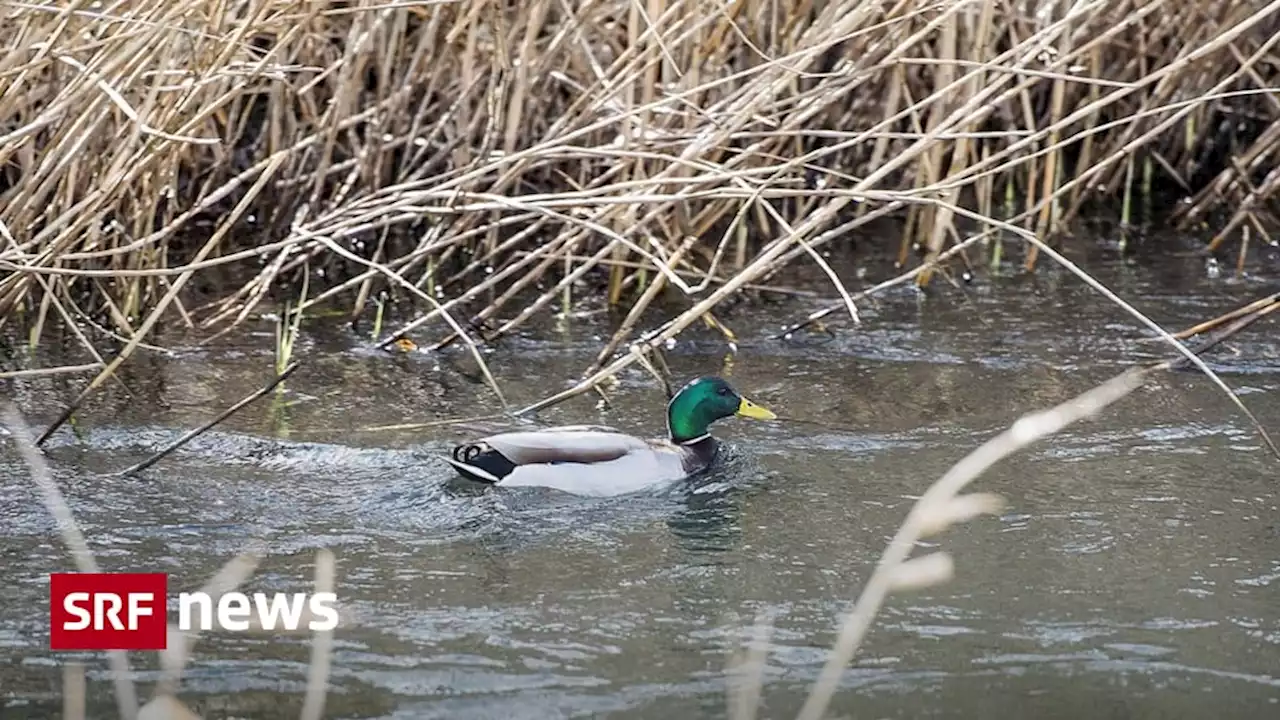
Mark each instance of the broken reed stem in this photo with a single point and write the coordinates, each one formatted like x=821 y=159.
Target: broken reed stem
x=1040 y=246
x=193 y=434
x=1208 y=325
x=45 y=372
x=1188 y=355
x=1220 y=336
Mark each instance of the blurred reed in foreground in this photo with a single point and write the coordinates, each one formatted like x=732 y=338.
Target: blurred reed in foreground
x=173 y=660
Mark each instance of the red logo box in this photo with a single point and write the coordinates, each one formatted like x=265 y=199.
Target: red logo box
x=108 y=611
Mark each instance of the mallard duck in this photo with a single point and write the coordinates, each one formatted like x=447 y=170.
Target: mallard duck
x=594 y=460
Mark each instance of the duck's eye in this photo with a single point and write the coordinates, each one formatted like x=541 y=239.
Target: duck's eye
x=722 y=391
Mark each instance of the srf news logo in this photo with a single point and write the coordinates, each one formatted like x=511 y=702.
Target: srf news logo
x=129 y=611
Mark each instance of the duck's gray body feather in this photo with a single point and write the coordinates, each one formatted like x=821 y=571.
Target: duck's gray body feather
x=584 y=460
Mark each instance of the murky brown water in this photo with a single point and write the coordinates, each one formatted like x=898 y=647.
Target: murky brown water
x=1135 y=573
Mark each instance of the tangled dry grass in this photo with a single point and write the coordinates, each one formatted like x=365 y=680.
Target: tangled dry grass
x=478 y=158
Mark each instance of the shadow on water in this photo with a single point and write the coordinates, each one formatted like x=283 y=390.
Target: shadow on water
x=1134 y=574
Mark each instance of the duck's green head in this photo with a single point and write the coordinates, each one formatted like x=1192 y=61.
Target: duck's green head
x=704 y=401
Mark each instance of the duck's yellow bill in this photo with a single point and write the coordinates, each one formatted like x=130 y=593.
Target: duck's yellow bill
x=748 y=409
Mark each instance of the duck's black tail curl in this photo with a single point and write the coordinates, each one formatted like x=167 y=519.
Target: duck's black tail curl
x=479 y=462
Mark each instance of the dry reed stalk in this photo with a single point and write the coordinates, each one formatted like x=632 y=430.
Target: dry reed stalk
x=397 y=278
x=1208 y=325
x=744 y=699
x=73 y=538
x=940 y=507
x=193 y=434
x=1188 y=356
x=164 y=705
x=455 y=143
x=1250 y=201
x=42 y=372
x=547 y=253
x=155 y=313
x=1223 y=334
x=905 y=277
x=637 y=309
x=321 y=646
x=73 y=691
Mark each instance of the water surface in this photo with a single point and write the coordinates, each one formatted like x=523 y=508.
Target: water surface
x=1134 y=574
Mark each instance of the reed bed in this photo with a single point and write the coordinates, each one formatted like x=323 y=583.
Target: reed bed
x=478 y=159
